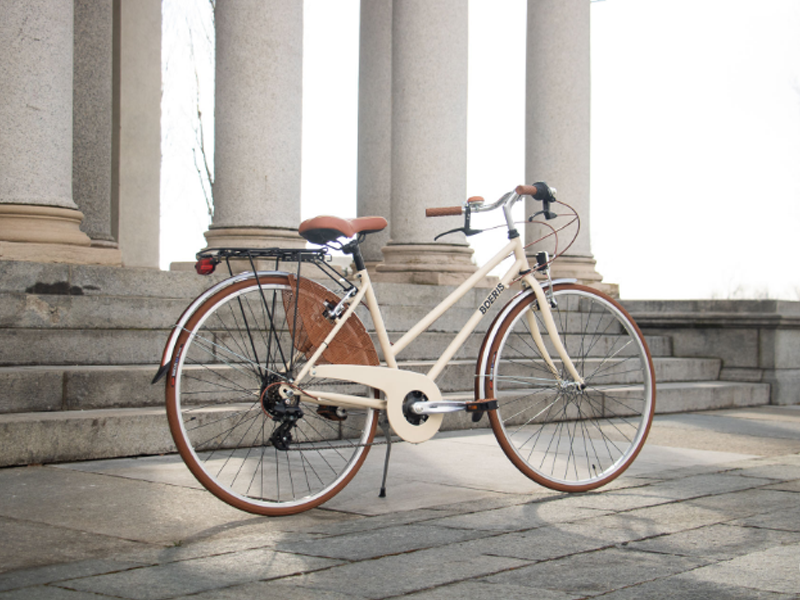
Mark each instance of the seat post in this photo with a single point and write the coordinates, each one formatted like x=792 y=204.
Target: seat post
x=354 y=249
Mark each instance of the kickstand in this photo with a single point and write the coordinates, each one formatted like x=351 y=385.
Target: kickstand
x=384 y=423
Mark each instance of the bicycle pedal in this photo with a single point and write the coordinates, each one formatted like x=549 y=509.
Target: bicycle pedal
x=479 y=407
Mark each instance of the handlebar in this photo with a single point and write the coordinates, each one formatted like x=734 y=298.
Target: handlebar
x=538 y=191
x=444 y=211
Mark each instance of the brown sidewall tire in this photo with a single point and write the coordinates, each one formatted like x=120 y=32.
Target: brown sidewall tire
x=176 y=429
x=499 y=430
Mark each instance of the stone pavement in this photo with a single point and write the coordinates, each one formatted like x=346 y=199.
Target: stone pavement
x=711 y=509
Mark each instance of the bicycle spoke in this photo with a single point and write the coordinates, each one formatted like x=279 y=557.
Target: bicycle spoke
x=245 y=441
x=562 y=436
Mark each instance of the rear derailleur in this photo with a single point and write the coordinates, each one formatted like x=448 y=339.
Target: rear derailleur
x=285 y=411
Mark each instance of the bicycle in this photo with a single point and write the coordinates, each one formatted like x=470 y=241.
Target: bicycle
x=275 y=389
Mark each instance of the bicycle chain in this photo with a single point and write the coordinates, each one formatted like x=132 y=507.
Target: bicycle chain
x=395 y=439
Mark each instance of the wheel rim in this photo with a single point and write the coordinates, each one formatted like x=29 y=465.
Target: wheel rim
x=563 y=437
x=223 y=413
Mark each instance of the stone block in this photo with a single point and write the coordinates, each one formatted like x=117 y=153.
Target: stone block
x=28 y=390
x=595 y=573
x=199 y=575
x=707 y=395
x=44 y=311
x=35 y=438
x=785 y=385
x=736 y=347
x=80 y=347
x=114 y=387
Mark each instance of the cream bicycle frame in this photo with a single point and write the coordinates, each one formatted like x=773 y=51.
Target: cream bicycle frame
x=391 y=351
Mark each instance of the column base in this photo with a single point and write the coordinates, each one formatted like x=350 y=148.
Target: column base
x=49 y=234
x=583 y=269
x=253 y=237
x=426 y=264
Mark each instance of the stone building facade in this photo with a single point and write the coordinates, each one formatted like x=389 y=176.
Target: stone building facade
x=80 y=128
x=80 y=91
x=84 y=310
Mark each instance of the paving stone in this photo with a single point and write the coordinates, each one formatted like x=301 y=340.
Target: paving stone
x=685 y=472
x=772 y=570
x=703 y=485
x=779 y=471
x=523 y=516
x=28 y=544
x=707 y=527
x=198 y=575
x=247 y=536
x=49 y=593
x=786 y=486
x=537 y=545
x=644 y=523
x=272 y=589
x=483 y=590
x=785 y=519
x=655 y=460
x=594 y=573
x=747 y=502
x=152 y=513
x=383 y=542
x=497 y=501
x=405 y=573
x=27 y=578
x=724 y=433
x=717 y=542
x=356 y=524
x=685 y=587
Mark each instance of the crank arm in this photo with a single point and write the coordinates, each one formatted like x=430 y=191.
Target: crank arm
x=448 y=406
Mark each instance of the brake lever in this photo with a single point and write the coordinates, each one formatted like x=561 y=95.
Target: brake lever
x=548 y=214
x=467 y=230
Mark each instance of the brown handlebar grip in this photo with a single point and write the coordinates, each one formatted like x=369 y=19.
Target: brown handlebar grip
x=443 y=211
x=526 y=190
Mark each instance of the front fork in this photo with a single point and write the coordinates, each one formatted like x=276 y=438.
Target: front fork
x=552 y=331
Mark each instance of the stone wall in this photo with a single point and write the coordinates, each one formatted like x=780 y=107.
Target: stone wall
x=757 y=340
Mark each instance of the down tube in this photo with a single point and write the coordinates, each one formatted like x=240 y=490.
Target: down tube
x=473 y=321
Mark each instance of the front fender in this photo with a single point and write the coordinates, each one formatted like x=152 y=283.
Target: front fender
x=483 y=355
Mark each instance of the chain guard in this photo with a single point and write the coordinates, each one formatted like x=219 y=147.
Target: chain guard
x=397 y=385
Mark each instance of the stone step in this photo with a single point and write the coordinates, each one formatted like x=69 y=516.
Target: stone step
x=61 y=314
x=129 y=345
x=64 y=388
x=676 y=397
x=431 y=345
x=459 y=375
x=72 y=435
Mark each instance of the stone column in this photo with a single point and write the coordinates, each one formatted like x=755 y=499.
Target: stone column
x=92 y=118
x=136 y=142
x=375 y=121
x=258 y=117
x=429 y=141
x=557 y=124
x=38 y=218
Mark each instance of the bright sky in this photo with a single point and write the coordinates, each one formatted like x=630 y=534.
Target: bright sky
x=695 y=136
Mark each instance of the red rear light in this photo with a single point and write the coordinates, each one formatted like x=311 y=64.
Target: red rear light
x=205 y=266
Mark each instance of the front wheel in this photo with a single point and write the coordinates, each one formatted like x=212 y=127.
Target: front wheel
x=236 y=431
x=563 y=437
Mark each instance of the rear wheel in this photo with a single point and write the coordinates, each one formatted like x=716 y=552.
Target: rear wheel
x=242 y=438
x=557 y=434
